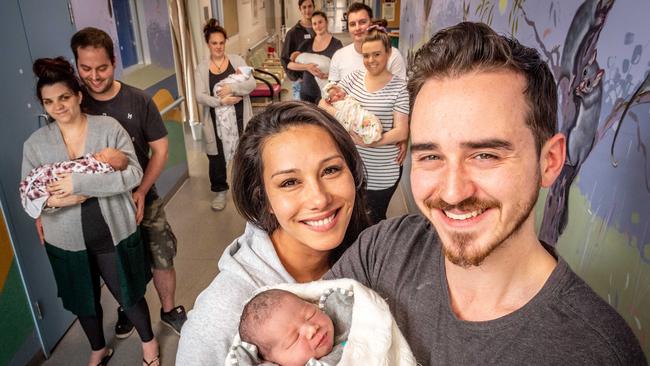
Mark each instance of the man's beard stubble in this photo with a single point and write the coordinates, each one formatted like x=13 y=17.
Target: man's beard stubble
x=457 y=252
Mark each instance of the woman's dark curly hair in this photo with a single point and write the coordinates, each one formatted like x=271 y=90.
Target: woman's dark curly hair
x=248 y=167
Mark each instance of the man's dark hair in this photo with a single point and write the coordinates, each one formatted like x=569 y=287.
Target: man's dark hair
x=468 y=47
x=355 y=7
x=92 y=37
x=257 y=311
x=248 y=190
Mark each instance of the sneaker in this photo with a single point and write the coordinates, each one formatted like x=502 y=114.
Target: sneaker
x=219 y=201
x=123 y=327
x=174 y=318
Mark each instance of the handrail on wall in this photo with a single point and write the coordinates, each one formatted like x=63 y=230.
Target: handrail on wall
x=261 y=41
x=173 y=105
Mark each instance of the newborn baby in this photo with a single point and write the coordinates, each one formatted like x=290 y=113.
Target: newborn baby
x=352 y=325
x=226 y=115
x=33 y=189
x=286 y=329
x=322 y=62
x=290 y=331
x=352 y=115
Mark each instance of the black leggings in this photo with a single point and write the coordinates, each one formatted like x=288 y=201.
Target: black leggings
x=105 y=265
x=217 y=163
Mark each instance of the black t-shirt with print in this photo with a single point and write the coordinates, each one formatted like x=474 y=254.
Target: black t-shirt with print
x=139 y=116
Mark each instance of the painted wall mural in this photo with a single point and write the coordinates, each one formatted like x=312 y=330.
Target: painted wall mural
x=598 y=212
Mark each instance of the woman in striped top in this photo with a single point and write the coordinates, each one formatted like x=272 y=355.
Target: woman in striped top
x=385 y=95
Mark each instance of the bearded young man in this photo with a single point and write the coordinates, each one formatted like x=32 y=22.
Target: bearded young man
x=467 y=280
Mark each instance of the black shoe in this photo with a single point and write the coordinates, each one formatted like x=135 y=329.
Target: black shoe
x=174 y=318
x=123 y=327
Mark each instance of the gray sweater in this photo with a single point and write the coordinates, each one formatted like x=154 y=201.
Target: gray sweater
x=62 y=227
x=247 y=264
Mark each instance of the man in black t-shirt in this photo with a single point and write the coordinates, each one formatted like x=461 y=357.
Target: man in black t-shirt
x=467 y=280
x=137 y=113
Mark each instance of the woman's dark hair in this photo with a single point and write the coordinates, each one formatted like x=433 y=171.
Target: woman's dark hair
x=319 y=14
x=377 y=32
x=50 y=71
x=249 y=195
x=212 y=26
x=300 y=2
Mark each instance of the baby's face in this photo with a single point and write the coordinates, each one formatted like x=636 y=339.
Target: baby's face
x=296 y=332
x=335 y=94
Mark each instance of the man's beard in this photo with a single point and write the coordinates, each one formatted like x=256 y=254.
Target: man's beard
x=459 y=250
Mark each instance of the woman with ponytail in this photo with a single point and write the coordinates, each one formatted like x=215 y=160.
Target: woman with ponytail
x=89 y=219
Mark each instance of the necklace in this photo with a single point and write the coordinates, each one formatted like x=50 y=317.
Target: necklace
x=219 y=65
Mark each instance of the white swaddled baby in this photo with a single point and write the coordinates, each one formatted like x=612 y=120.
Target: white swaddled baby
x=352 y=115
x=226 y=115
x=322 y=62
x=321 y=323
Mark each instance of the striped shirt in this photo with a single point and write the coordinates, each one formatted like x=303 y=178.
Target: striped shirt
x=382 y=171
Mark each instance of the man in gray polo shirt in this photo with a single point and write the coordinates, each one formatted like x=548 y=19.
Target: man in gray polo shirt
x=467 y=279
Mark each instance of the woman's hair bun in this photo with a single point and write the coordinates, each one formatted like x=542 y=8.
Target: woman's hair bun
x=50 y=68
x=212 y=26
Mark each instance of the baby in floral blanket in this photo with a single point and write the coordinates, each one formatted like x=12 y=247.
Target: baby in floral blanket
x=33 y=189
x=352 y=115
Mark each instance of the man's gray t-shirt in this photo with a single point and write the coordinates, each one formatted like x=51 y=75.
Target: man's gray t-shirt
x=566 y=323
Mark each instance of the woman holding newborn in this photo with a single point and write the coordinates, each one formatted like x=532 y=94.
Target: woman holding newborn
x=384 y=95
x=208 y=73
x=323 y=44
x=89 y=219
x=299 y=181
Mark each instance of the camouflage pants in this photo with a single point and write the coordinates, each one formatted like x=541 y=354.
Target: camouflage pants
x=157 y=235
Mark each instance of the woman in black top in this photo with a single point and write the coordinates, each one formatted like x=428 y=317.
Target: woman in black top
x=322 y=44
x=218 y=141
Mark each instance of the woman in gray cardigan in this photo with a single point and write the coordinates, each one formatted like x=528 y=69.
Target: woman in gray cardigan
x=89 y=219
x=207 y=74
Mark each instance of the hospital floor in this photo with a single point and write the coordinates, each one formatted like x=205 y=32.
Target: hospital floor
x=202 y=236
